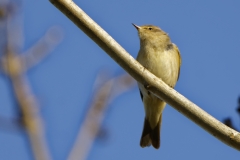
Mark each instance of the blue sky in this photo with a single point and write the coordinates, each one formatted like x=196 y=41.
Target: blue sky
x=207 y=34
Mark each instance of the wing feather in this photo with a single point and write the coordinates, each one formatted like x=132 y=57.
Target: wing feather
x=179 y=58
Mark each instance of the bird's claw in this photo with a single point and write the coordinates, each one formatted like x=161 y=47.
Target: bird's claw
x=146 y=86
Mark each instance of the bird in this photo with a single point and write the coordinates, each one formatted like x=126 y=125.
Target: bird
x=162 y=58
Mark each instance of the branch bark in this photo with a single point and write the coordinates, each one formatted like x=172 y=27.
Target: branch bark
x=138 y=72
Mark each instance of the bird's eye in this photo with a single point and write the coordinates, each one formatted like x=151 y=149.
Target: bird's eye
x=150 y=28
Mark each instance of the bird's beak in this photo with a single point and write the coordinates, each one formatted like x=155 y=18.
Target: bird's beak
x=137 y=27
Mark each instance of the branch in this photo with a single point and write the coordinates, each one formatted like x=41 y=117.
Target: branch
x=92 y=123
x=42 y=48
x=31 y=119
x=30 y=111
x=138 y=72
x=13 y=66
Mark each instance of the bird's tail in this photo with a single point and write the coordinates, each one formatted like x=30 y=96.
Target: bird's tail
x=151 y=136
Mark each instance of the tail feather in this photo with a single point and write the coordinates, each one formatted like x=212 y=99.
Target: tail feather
x=155 y=135
x=151 y=136
x=145 y=139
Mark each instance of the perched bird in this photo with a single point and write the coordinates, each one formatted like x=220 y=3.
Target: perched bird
x=162 y=58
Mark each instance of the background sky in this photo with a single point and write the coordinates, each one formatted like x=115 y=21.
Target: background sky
x=207 y=34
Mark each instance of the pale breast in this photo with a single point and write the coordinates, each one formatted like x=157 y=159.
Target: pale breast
x=163 y=64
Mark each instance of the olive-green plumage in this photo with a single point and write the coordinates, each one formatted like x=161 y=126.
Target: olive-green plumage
x=162 y=58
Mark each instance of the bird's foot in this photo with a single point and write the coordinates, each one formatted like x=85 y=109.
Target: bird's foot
x=147 y=86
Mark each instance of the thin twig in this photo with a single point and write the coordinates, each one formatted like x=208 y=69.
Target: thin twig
x=13 y=65
x=138 y=72
x=42 y=48
x=92 y=123
x=30 y=111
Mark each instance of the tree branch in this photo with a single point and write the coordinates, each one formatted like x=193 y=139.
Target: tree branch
x=12 y=64
x=138 y=72
x=42 y=48
x=31 y=119
x=108 y=91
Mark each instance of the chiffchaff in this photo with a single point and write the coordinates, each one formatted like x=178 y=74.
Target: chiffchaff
x=162 y=58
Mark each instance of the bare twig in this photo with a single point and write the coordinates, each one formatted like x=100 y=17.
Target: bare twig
x=14 y=65
x=42 y=48
x=157 y=86
x=31 y=118
x=92 y=123
x=27 y=103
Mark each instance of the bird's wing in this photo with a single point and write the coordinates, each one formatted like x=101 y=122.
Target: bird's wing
x=141 y=94
x=179 y=58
